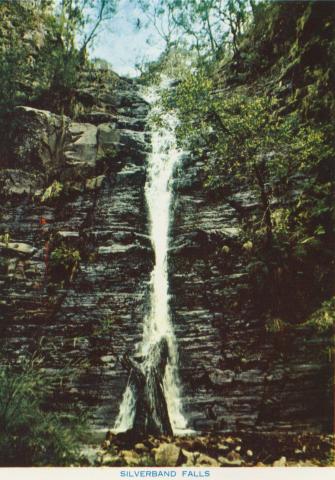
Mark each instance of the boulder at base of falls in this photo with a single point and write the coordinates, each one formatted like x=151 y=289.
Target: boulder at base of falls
x=109 y=460
x=141 y=448
x=220 y=450
x=167 y=455
x=131 y=458
x=281 y=462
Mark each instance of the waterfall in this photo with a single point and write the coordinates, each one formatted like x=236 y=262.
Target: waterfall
x=157 y=323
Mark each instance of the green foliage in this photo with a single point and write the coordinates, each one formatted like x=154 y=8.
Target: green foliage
x=101 y=64
x=21 y=39
x=294 y=44
x=64 y=262
x=5 y=238
x=323 y=319
x=32 y=53
x=192 y=98
x=247 y=142
x=77 y=23
x=208 y=27
x=174 y=63
x=52 y=192
x=244 y=136
x=275 y=325
x=29 y=435
x=43 y=49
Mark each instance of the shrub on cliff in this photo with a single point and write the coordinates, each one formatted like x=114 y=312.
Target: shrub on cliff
x=64 y=263
x=248 y=142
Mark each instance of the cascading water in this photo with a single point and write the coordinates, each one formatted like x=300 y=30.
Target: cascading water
x=157 y=324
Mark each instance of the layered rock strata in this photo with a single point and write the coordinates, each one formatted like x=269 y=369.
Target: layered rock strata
x=77 y=188
x=236 y=375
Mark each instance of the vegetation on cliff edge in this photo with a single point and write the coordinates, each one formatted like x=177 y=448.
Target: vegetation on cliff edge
x=258 y=112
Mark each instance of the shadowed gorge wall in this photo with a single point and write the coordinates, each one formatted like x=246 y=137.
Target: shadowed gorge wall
x=86 y=309
x=85 y=322
x=236 y=375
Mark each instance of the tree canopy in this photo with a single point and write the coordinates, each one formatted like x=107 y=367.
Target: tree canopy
x=44 y=44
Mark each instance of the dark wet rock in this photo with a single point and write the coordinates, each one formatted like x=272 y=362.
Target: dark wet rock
x=36 y=139
x=97 y=118
x=131 y=174
x=234 y=375
x=130 y=123
x=129 y=98
x=151 y=415
x=91 y=321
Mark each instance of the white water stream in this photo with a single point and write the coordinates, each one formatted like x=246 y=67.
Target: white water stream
x=157 y=324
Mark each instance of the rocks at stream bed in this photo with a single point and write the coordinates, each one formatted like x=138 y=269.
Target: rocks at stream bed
x=218 y=451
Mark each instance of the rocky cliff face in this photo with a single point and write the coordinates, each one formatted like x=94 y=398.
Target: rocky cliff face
x=235 y=374
x=77 y=188
x=83 y=314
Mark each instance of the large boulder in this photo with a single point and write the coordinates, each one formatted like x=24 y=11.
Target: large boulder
x=131 y=458
x=197 y=459
x=122 y=142
x=46 y=144
x=108 y=137
x=36 y=140
x=82 y=151
x=167 y=455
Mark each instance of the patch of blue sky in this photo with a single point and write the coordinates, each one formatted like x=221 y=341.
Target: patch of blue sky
x=123 y=45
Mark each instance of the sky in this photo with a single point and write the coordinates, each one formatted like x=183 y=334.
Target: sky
x=122 y=45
